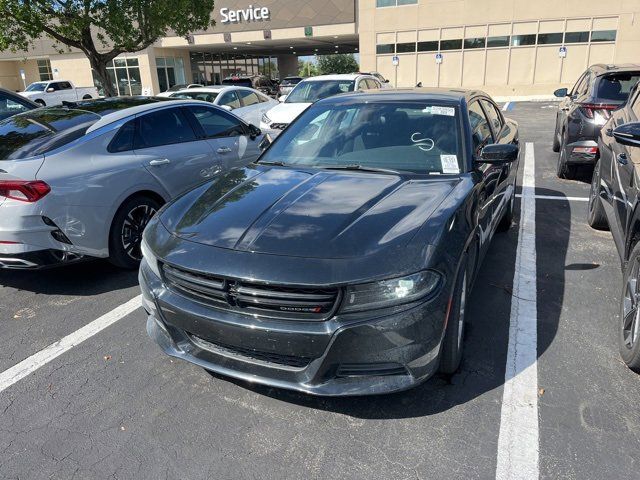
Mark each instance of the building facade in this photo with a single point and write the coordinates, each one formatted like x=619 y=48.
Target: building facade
x=509 y=48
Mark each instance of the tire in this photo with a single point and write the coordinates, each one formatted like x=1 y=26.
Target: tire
x=563 y=170
x=556 y=143
x=40 y=102
x=453 y=341
x=125 y=235
x=507 y=216
x=595 y=216
x=87 y=97
x=629 y=324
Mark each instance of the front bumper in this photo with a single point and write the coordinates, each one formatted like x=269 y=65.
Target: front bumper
x=36 y=259
x=381 y=353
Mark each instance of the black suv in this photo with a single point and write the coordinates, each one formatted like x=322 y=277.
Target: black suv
x=259 y=82
x=585 y=109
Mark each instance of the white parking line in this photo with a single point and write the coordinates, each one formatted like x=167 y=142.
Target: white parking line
x=557 y=197
x=518 y=439
x=506 y=106
x=44 y=356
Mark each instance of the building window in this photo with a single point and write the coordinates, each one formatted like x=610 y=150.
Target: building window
x=603 y=36
x=44 y=69
x=385 y=48
x=124 y=74
x=451 y=44
x=394 y=3
x=576 y=37
x=499 y=41
x=474 y=42
x=523 y=40
x=549 y=38
x=431 y=46
x=170 y=72
x=406 y=47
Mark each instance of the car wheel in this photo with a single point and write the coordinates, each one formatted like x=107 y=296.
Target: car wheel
x=629 y=336
x=40 y=102
x=596 y=217
x=564 y=170
x=507 y=216
x=556 y=140
x=87 y=97
x=452 y=344
x=128 y=224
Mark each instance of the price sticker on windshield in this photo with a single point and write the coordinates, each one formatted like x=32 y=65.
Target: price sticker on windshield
x=449 y=164
x=448 y=111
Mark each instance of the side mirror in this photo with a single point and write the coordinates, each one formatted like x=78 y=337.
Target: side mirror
x=266 y=141
x=386 y=80
x=561 y=92
x=498 y=153
x=282 y=98
x=50 y=90
x=227 y=107
x=254 y=131
x=628 y=134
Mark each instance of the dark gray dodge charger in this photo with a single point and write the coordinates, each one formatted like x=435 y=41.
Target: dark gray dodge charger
x=340 y=262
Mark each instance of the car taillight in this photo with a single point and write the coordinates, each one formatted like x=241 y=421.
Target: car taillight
x=24 y=191
x=590 y=110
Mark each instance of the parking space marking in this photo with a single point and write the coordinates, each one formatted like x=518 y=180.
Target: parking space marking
x=506 y=106
x=44 y=356
x=557 y=197
x=518 y=445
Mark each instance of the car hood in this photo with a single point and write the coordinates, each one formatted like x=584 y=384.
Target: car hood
x=306 y=213
x=286 y=112
x=29 y=94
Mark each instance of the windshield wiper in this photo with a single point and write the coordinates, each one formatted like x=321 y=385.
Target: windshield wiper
x=361 y=168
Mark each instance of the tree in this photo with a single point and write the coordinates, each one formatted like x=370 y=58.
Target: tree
x=101 y=29
x=339 y=63
x=307 y=69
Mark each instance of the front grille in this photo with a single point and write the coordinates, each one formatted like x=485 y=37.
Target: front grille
x=298 y=303
x=279 y=126
x=250 y=353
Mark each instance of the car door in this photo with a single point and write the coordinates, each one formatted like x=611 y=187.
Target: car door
x=66 y=92
x=227 y=136
x=482 y=135
x=53 y=97
x=567 y=103
x=170 y=149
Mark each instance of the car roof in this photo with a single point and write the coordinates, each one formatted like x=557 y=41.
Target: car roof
x=446 y=95
x=602 y=68
x=335 y=76
x=216 y=89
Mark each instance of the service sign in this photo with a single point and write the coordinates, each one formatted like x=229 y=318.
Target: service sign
x=250 y=14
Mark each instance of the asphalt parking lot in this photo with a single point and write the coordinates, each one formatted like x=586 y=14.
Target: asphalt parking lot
x=115 y=407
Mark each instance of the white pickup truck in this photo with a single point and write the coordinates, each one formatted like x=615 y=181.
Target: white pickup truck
x=57 y=91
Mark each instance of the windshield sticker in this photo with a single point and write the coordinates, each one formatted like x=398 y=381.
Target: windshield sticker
x=449 y=164
x=424 y=144
x=436 y=110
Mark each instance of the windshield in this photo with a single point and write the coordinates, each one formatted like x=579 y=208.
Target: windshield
x=314 y=90
x=36 y=87
x=412 y=137
x=39 y=131
x=205 y=96
x=175 y=88
x=616 y=87
x=291 y=81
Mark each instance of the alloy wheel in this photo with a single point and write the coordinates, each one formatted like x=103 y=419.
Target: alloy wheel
x=133 y=227
x=630 y=308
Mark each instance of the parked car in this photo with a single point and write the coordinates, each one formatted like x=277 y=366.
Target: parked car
x=246 y=103
x=287 y=85
x=340 y=262
x=58 y=91
x=177 y=88
x=84 y=180
x=11 y=104
x=584 y=109
x=261 y=83
x=381 y=79
x=311 y=90
x=614 y=203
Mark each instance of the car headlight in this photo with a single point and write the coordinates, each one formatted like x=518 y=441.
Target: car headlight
x=265 y=119
x=386 y=293
x=150 y=258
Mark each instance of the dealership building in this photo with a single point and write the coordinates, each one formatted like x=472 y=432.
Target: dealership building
x=509 y=48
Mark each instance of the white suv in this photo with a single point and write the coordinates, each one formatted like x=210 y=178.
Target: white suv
x=311 y=90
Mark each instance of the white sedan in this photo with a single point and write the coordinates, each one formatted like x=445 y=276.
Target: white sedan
x=247 y=103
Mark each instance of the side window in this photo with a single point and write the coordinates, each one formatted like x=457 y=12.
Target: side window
x=163 y=127
x=230 y=99
x=123 y=140
x=263 y=98
x=10 y=107
x=54 y=85
x=494 y=116
x=362 y=84
x=64 y=86
x=576 y=88
x=216 y=123
x=480 y=131
x=248 y=98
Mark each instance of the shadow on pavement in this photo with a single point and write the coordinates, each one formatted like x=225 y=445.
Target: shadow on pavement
x=81 y=279
x=486 y=342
